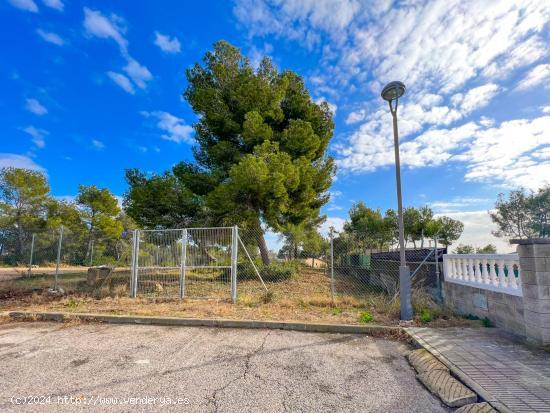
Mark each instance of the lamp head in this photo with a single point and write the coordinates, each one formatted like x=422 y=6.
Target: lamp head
x=393 y=90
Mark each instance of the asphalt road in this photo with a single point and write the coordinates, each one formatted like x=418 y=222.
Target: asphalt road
x=94 y=367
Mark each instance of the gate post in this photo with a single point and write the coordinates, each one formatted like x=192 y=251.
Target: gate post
x=32 y=251
x=332 y=263
x=234 y=247
x=58 y=257
x=134 y=272
x=183 y=262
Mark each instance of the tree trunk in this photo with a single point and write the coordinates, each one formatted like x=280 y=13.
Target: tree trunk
x=264 y=252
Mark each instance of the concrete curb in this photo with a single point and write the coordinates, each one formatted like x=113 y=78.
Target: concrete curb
x=463 y=377
x=195 y=322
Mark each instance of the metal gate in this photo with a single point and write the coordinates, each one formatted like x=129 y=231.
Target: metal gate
x=189 y=262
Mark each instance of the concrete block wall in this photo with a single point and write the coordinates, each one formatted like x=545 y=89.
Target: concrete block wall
x=527 y=315
x=504 y=310
x=534 y=260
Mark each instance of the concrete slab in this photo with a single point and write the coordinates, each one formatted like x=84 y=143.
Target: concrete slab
x=423 y=361
x=452 y=392
x=476 y=408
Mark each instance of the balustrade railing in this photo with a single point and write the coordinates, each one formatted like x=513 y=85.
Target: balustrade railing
x=496 y=272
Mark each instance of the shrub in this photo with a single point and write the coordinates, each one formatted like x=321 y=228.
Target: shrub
x=426 y=315
x=487 y=323
x=365 y=317
x=279 y=271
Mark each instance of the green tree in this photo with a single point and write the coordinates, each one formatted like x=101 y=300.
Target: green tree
x=539 y=211
x=162 y=201
x=23 y=207
x=99 y=211
x=513 y=215
x=464 y=249
x=261 y=155
x=449 y=230
x=369 y=227
x=487 y=249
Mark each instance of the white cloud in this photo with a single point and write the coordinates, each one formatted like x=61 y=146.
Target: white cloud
x=34 y=106
x=478 y=229
x=19 y=161
x=98 y=25
x=176 y=129
x=54 y=4
x=545 y=109
x=475 y=98
x=297 y=19
x=50 y=37
x=38 y=135
x=27 y=5
x=97 y=145
x=167 y=44
x=458 y=204
x=356 y=116
x=538 y=75
x=122 y=81
x=138 y=73
x=336 y=222
x=506 y=154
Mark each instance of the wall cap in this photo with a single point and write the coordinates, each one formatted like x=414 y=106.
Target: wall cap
x=530 y=241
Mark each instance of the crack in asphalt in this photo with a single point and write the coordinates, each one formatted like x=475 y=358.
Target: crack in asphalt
x=213 y=398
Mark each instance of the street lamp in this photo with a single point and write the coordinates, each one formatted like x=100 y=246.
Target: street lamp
x=391 y=93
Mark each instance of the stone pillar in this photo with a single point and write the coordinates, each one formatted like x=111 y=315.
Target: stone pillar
x=534 y=261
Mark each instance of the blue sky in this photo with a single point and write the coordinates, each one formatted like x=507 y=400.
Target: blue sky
x=92 y=88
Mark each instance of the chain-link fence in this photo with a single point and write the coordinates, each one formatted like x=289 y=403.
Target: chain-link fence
x=59 y=259
x=225 y=263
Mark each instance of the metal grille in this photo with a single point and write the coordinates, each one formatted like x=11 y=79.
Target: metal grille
x=191 y=262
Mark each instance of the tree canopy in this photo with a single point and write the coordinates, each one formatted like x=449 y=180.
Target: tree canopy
x=260 y=156
x=27 y=208
x=373 y=230
x=522 y=214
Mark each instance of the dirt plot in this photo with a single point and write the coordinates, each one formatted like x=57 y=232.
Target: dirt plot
x=209 y=370
x=7 y=273
x=305 y=297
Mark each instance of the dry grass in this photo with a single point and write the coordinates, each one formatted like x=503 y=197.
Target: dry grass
x=303 y=298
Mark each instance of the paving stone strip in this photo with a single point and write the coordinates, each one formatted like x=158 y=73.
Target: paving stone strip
x=451 y=392
x=476 y=408
x=423 y=361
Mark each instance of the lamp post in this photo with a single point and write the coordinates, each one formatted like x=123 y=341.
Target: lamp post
x=391 y=93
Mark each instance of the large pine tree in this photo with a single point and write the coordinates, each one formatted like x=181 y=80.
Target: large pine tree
x=261 y=153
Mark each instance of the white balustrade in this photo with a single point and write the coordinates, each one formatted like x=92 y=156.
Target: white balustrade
x=495 y=272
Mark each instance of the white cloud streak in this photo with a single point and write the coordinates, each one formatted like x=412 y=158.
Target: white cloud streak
x=538 y=75
x=122 y=81
x=54 y=4
x=13 y=160
x=167 y=44
x=34 y=106
x=38 y=135
x=27 y=5
x=50 y=37
x=98 y=25
x=176 y=129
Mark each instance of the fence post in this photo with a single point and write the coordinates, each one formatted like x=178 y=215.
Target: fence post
x=58 y=257
x=234 y=247
x=183 y=262
x=331 y=263
x=437 y=280
x=30 y=258
x=91 y=252
x=135 y=261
